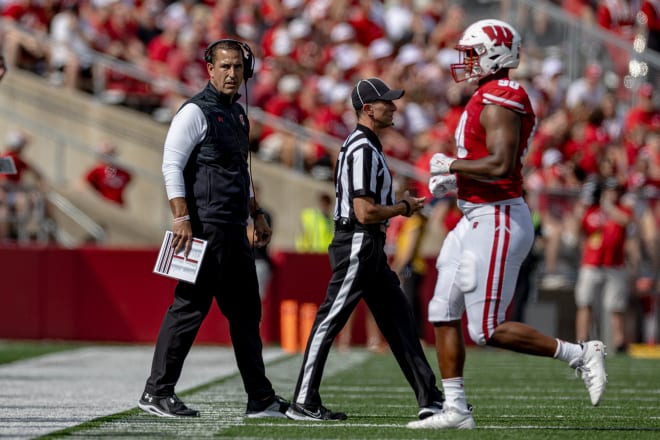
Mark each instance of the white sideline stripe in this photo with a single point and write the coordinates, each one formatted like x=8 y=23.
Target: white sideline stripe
x=303 y=424
x=56 y=391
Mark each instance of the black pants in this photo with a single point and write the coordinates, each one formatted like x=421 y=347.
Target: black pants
x=360 y=271
x=227 y=274
x=411 y=285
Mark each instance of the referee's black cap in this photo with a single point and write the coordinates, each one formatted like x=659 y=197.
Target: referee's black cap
x=373 y=89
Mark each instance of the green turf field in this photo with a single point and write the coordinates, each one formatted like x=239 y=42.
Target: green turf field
x=11 y=351
x=514 y=396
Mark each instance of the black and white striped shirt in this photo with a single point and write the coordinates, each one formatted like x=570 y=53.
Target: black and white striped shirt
x=361 y=171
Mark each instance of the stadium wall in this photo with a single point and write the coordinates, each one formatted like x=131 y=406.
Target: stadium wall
x=112 y=295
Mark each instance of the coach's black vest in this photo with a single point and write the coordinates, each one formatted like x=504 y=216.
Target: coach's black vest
x=216 y=175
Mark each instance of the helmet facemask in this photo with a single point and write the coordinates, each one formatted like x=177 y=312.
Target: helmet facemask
x=468 y=67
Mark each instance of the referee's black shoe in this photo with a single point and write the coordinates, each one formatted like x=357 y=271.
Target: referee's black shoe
x=305 y=412
x=427 y=411
x=165 y=406
x=274 y=406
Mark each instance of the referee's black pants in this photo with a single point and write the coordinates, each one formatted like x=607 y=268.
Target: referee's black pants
x=360 y=271
x=227 y=274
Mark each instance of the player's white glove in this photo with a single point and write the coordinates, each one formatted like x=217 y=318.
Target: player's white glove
x=440 y=164
x=441 y=185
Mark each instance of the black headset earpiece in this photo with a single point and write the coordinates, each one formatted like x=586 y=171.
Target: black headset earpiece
x=248 y=56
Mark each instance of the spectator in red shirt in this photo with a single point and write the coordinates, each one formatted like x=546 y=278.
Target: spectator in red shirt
x=617 y=16
x=106 y=178
x=26 y=42
x=121 y=33
x=20 y=191
x=590 y=140
x=265 y=86
x=15 y=145
x=285 y=103
x=184 y=63
x=184 y=66
x=277 y=144
x=160 y=47
x=602 y=267
x=366 y=29
x=645 y=112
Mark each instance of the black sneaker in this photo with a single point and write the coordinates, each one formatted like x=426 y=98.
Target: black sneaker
x=165 y=406
x=428 y=411
x=302 y=412
x=272 y=407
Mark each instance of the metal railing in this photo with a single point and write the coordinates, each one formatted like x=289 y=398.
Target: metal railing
x=64 y=205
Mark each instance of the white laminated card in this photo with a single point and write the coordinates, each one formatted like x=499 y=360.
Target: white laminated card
x=7 y=165
x=175 y=265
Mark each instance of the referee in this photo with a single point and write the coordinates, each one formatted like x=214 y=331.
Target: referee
x=365 y=203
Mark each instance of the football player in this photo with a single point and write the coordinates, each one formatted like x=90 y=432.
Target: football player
x=480 y=259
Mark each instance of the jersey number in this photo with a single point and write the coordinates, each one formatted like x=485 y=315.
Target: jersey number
x=508 y=83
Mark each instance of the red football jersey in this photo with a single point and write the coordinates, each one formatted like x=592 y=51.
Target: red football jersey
x=471 y=140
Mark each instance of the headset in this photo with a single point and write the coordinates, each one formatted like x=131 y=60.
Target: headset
x=248 y=56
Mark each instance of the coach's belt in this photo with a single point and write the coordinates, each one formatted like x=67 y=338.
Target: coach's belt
x=350 y=225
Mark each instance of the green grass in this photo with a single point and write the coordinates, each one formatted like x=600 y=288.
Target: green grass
x=514 y=396
x=11 y=351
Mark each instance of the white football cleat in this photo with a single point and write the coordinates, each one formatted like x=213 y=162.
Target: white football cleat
x=591 y=366
x=448 y=418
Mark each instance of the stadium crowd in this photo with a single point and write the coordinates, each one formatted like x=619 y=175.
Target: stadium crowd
x=309 y=52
